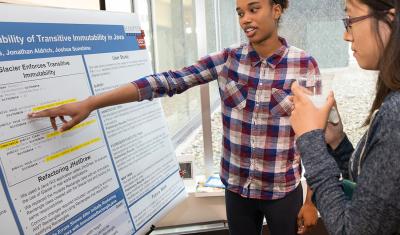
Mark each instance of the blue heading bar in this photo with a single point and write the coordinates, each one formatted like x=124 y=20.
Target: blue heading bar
x=20 y=41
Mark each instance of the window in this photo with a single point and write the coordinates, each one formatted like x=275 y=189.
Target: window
x=175 y=47
x=142 y=9
x=228 y=36
x=173 y=28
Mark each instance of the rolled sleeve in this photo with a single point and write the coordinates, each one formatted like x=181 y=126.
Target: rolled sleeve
x=175 y=82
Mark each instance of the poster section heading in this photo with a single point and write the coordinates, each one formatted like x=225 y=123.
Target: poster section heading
x=21 y=41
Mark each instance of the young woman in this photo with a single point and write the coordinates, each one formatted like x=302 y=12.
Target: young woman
x=373 y=28
x=260 y=167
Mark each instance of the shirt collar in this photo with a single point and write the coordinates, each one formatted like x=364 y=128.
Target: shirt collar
x=273 y=60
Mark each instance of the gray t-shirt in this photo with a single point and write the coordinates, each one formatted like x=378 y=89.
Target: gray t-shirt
x=375 y=205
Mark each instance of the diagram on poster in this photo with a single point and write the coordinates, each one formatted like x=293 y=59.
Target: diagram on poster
x=114 y=173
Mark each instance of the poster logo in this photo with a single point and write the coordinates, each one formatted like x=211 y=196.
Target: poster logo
x=140 y=40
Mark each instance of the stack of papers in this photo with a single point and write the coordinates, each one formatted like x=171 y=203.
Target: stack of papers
x=211 y=187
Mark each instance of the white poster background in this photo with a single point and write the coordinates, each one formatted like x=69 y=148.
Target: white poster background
x=123 y=149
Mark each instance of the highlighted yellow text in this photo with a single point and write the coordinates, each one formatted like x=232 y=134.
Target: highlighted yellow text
x=80 y=125
x=53 y=105
x=71 y=150
x=9 y=144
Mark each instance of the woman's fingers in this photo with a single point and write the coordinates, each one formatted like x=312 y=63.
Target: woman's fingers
x=54 y=112
x=62 y=119
x=76 y=111
x=65 y=126
x=69 y=124
x=53 y=123
x=299 y=93
x=330 y=102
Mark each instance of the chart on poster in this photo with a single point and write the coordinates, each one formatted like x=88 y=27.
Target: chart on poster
x=114 y=173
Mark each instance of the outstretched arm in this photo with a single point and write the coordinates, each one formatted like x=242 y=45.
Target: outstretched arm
x=80 y=110
x=146 y=88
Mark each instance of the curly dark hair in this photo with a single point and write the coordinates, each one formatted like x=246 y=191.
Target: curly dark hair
x=284 y=3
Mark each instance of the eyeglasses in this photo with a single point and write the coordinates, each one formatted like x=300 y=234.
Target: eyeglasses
x=348 y=22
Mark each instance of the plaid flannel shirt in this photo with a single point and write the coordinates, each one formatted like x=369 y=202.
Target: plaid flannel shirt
x=259 y=158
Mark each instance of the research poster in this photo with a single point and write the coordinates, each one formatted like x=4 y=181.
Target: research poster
x=114 y=173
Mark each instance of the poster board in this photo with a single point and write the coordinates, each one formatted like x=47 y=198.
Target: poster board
x=116 y=172
x=87 y=4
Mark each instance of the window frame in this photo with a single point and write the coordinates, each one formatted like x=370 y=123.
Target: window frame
x=206 y=107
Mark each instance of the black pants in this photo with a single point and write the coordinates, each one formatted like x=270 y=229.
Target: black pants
x=245 y=216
